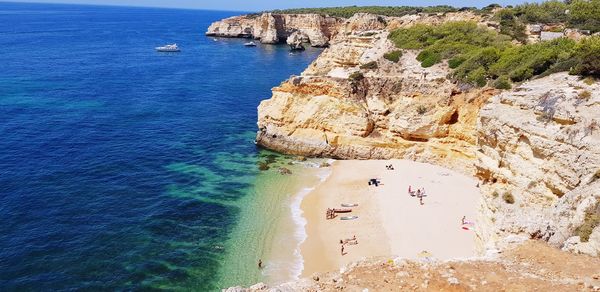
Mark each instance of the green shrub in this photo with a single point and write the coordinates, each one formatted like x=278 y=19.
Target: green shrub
x=511 y=26
x=522 y=62
x=478 y=54
x=477 y=77
x=393 y=56
x=590 y=221
x=356 y=76
x=545 y=12
x=585 y=14
x=455 y=62
x=428 y=58
x=348 y=11
x=502 y=82
x=587 y=53
x=369 y=66
x=508 y=198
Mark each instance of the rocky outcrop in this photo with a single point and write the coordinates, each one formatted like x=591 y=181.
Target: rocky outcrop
x=235 y=27
x=540 y=144
x=272 y=28
x=296 y=40
x=532 y=266
x=354 y=103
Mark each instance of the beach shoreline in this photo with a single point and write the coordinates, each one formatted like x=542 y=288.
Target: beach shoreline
x=390 y=222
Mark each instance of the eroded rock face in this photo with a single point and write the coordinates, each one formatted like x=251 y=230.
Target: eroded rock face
x=540 y=143
x=386 y=110
x=296 y=40
x=237 y=26
x=272 y=28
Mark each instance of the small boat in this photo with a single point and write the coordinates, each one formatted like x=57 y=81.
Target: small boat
x=250 y=44
x=345 y=210
x=348 y=217
x=349 y=205
x=215 y=39
x=168 y=48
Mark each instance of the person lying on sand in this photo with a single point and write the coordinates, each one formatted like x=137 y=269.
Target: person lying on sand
x=349 y=241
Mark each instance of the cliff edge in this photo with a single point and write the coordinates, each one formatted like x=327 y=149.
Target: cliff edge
x=272 y=28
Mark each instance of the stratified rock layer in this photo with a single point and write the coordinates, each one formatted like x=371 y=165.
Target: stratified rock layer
x=540 y=143
x=353 y=103
x=272 y=28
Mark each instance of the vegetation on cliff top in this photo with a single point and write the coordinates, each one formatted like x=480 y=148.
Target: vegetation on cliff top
x=349 y=11
x=479 y=55
x=581 y=14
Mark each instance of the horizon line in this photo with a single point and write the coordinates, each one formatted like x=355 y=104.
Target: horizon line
x=127 y=6
x=218 y=10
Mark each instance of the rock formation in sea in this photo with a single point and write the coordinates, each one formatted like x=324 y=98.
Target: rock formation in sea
x=272 y=28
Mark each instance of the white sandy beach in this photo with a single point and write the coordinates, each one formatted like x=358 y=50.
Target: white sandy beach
x=390 y=222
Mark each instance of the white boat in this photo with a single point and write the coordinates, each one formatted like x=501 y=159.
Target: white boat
x=250 y=44
x=168 y=48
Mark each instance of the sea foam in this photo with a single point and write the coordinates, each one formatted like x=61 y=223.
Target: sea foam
x=300 y=229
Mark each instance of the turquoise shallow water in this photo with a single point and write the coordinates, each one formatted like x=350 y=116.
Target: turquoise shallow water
x=126 y=169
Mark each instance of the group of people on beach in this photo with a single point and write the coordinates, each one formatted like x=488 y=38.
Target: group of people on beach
x=348 y=241
x=419 y=193
x=389 y=167
x=374 y=182
x=330 y=214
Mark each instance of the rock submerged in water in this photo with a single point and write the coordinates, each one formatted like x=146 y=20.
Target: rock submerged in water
x=262 y=166
x=284 y=171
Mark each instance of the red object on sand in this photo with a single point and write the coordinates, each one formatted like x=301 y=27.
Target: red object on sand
x=346 y=210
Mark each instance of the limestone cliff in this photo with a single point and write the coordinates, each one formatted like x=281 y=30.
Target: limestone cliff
x=352 y=102
x=540 y=145
x=272 y=28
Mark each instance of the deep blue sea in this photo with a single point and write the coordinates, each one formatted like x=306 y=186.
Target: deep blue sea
x=120 y=167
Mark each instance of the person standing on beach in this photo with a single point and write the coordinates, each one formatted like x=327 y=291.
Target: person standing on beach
x=342 y=249
x=260 y=265
x=421 y=200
